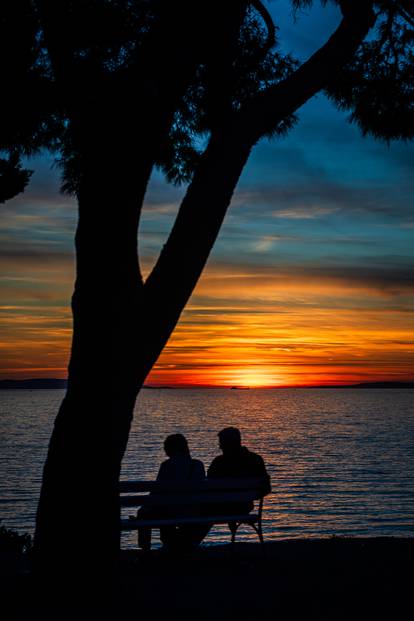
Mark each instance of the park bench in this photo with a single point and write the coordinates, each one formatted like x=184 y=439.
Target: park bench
x=206 y=493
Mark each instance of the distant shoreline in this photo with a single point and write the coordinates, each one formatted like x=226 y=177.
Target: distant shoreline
x=61 y=384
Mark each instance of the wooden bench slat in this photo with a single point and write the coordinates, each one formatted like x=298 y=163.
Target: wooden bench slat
x=137 y=486
x=201 y=486
x=162 y=500
x=133 y=524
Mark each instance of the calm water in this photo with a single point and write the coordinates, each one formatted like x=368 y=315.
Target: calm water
x=341 y=461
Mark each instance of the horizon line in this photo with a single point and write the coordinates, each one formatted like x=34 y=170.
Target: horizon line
x=187 y=386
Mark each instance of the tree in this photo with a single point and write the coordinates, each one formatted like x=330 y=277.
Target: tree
x=116 y=88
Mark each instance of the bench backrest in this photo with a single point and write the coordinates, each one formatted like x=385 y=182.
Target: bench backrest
x=217 y=491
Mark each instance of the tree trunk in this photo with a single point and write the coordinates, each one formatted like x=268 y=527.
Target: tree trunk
x=120 y=328
x=77 y=528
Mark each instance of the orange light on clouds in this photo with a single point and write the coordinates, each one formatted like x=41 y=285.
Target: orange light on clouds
x=241 y=329
x=240 y=332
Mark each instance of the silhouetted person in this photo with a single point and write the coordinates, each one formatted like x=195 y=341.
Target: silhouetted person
x=178 y=468
x=238 y=462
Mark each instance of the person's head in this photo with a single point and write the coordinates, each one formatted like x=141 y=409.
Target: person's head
x=176 y=444
x=230 y=440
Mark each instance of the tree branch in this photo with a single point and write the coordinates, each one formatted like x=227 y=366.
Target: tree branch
x=195 y=230
x=270 y=107
x=406 y=11
x=267 y=18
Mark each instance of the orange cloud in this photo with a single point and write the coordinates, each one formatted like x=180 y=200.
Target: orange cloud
x=247 y=331
x=242 y=327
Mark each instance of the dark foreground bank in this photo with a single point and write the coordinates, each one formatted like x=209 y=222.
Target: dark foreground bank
x=324 y=579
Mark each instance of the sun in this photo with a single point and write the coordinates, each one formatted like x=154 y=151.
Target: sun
x=253 y=378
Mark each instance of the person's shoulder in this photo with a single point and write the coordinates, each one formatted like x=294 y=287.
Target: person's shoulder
x=217 y=460
x=257 y=457
x=163 y=469
x=256 y=461
x=258 y=469
x=254 y=456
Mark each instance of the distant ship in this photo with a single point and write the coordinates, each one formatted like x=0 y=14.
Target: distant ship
x=239 y=387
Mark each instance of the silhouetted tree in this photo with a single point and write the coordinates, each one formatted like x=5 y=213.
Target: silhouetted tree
x=115 y=88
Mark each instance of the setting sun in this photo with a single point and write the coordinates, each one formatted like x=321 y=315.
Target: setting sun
x=254 y=378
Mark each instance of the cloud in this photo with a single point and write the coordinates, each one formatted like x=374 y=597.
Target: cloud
x=320 y=197
x=153 y=208
x=26 y=251
x=383 y=277
x=267 y=242
x=304 y=213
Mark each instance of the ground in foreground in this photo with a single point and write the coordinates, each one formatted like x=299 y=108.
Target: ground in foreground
x=329 y=579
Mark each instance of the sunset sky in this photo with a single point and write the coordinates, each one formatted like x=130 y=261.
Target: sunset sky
x=310 y=281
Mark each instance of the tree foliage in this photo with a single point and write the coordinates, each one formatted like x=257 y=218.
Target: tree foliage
x=58 y=67
x=377 y=87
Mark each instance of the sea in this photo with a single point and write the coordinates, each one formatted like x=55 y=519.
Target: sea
x=341 y=461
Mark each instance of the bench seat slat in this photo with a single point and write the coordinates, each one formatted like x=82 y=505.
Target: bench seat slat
x=161 y=500
x=206 y=485
x=132 y=524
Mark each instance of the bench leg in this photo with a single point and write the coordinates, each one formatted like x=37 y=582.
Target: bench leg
x=144 y=539
x=233 y=529
x=260 y=533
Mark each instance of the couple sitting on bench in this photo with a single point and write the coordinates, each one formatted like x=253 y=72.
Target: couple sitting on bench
x=235 y=462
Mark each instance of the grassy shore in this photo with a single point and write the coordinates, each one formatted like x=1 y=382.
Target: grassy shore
x=327 y=579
